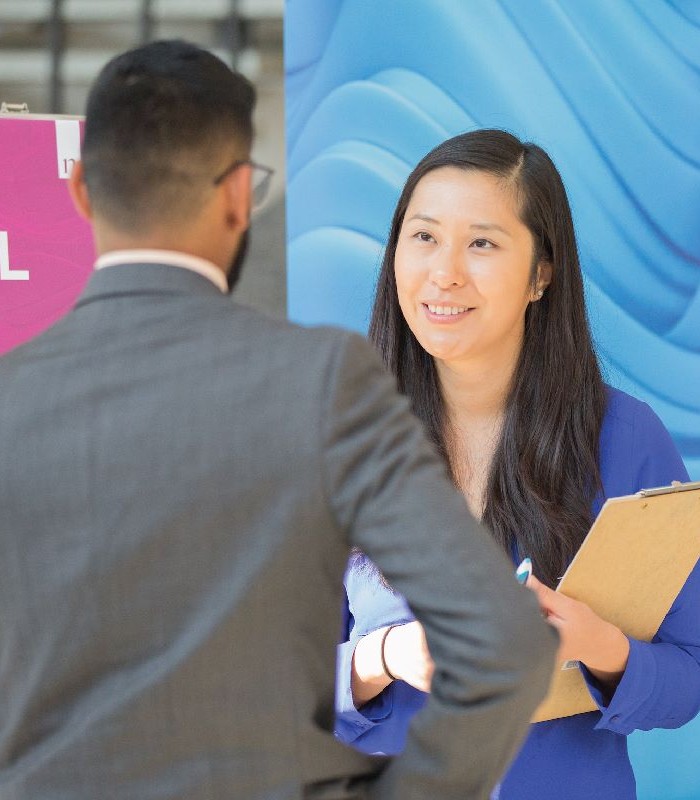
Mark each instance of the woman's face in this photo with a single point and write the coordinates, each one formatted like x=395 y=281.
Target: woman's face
x=463 y=266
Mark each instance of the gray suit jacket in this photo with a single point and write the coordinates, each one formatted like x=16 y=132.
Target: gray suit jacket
x=180 y=483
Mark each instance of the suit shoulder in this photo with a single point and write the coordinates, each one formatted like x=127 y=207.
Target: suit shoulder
x=320 y=340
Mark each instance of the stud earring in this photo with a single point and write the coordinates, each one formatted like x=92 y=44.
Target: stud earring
x=540 y=292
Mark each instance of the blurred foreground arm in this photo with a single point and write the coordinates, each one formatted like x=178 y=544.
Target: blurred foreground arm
x=493 y=653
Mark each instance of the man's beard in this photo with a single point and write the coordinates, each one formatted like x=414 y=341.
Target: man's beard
x=236 y=268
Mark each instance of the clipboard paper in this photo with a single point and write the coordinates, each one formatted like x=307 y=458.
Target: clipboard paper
x=629 y=570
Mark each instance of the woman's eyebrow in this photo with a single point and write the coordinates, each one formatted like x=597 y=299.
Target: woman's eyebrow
x=425 y=218
x=489 y=226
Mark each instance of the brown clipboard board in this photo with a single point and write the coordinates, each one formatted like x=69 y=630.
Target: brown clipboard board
x=629 y=570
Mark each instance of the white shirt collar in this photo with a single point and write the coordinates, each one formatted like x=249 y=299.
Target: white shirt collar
x=170 y=258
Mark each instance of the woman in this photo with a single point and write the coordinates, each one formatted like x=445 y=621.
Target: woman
x=480 y=315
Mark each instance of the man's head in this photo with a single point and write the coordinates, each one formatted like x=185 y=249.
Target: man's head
x=163 y=122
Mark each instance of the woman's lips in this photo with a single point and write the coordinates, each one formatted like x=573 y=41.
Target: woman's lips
x=446 y=314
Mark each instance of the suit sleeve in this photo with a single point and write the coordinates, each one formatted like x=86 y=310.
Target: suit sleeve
x=493 y=653
x=660 y=687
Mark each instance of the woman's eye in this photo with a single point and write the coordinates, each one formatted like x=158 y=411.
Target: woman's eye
x=423 y=236
x=482 y=244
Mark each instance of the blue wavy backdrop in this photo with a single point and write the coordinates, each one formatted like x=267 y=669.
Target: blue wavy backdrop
x=610 y=89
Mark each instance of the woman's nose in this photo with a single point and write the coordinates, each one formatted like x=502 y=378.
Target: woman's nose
x=447 y=270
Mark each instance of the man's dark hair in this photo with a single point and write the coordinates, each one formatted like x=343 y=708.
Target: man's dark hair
x=161 y=121
x=545 y=470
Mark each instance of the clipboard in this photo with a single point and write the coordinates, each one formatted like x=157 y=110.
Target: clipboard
x=629 y=570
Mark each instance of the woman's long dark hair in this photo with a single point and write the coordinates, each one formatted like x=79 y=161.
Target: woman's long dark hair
x=544 y=473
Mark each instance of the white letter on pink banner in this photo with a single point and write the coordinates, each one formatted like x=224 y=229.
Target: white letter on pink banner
x=67 y=145
x=7 y=274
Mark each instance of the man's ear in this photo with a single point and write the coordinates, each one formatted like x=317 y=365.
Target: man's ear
x=238 y=197
x=78 y=191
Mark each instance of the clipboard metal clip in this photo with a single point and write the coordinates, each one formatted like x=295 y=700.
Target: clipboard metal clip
x=676 y=486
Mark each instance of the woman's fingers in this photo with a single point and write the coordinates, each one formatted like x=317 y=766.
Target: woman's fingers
x=552 y=603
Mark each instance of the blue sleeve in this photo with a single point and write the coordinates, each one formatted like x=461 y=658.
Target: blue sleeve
x=660 y=687
x=371 y=605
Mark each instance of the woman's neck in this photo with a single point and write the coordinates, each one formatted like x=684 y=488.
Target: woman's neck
x=475 y=393
x=475 y=390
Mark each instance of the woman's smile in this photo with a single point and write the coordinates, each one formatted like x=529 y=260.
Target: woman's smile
x=441 y=314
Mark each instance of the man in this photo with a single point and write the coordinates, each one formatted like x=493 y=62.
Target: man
x=181 y=482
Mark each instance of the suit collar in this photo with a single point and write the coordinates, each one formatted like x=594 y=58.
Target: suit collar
x=138 y=279
x=176 y=258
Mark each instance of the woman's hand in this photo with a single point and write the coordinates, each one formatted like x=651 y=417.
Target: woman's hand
x=584 y=636
x=405 y=654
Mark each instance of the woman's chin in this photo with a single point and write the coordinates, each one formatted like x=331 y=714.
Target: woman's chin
x=446 y=352
x=441 y=344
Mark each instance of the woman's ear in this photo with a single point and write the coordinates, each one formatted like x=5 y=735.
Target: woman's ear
x=544 y=278
x=78 y=191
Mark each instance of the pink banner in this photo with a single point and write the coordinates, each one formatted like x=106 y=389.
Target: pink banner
x=46 y=250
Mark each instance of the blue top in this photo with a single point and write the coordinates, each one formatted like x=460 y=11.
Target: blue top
x=577 y=757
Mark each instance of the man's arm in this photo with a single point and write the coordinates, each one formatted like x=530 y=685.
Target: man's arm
x=493 y=653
